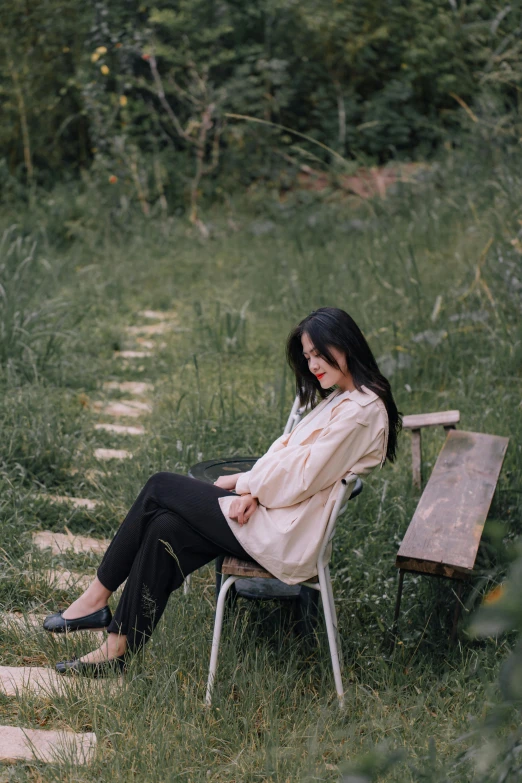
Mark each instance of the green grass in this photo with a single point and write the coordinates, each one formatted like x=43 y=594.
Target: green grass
x=221 y=388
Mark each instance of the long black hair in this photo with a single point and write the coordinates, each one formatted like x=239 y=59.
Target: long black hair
x=331 y=327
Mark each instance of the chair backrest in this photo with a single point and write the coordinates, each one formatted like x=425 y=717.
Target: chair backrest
x=296 y=414
x=352 y=481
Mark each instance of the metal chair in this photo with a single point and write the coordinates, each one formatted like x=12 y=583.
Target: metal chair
x=234 y=569
x=210 y=470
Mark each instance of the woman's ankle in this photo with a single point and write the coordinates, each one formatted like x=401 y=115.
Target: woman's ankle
x=116 y=645
x=92 y=600
x=96 y=593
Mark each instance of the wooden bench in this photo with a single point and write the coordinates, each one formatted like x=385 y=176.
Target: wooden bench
x=444 y=535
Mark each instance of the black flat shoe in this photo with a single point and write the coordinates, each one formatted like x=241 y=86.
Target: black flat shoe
x=101 y=669
x=55 y=623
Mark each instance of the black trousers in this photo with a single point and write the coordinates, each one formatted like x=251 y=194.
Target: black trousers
x=174 y=527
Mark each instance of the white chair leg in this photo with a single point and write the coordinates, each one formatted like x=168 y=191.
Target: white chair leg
x=187 y=584
x=332 y=635
x=226 y=584
x=334 y=614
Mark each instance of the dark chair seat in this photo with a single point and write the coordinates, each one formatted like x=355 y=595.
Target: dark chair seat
x=212 y=469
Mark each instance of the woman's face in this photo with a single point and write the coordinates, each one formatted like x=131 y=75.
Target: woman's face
x=326 y=374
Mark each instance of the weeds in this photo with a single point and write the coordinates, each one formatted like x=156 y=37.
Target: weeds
x=31 y=319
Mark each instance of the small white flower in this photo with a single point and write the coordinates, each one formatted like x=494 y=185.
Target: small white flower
x=179 y=445
x=199 y=456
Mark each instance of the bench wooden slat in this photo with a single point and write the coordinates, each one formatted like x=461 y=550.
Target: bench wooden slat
x=444 y=534
x=416 y=421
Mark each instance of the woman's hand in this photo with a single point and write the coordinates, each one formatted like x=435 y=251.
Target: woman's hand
x=227 y=482
x=242 y=508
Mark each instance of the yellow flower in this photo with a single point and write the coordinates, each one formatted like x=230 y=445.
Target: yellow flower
x=123 y=100
x=517 y=245
x=104 y=69
x=494 y=595
x=65 y=49
x=101 y=50
x=94 y=57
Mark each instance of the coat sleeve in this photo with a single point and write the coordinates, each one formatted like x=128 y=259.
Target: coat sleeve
x=242 y=484
x=290 y=475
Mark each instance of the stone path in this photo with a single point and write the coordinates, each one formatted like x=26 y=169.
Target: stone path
x=44 y=681
x=159 y=315
x=104 y=454
x=148 y=344
x=121 y=429
x=63 y=542
x=21 y=621
x=91 y=474
x=61 y=579
x=132 y=354
x=132 y=387
x=150 y=330
x=123 y=408
x=76 y=502
x=18 y=744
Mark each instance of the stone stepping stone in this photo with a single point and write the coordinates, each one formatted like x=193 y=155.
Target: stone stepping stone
x=132 y=387
x=17 y=744
x=150 y=330
x=105 y=454
x=127 y=408
x=67 y=580
x=159 y=315
x=92 y=474
x=38 y=679
x=120 y=429
x=132 y=354
x=22 y=621
x=64 y=542
x=76 y=502
x=147 y=344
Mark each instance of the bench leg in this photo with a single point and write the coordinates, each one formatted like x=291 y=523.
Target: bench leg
x=456 y=613
x=398 y=602
x=416 y=458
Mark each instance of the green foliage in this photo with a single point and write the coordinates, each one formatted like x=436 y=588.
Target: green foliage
x=42 y=430
x=31 y=318
x=369 y=81
x=44 y=125
x=222 y=332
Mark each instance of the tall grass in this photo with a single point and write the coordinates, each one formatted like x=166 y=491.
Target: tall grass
x=31 y=315
x=433 y=276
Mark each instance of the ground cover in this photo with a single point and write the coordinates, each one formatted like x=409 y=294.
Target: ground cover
x=433 y=275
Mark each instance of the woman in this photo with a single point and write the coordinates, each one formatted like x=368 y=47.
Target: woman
x=178 y=524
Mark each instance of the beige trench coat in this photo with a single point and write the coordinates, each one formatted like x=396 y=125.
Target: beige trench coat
x=298 y=479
